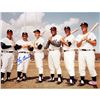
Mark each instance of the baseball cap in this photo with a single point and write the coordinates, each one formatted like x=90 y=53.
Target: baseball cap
x=84 y=24
x=53 y=28
x=67 y=27
x=24 y=33
x=9 y=30
x=37 y=30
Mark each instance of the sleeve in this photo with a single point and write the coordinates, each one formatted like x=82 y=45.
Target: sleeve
x=30 y=48
x=93 y=37
x=78 y=38
x=4 y=46
x=40 y=44
x=56 y=43
x=17 y=47
x=71 y=40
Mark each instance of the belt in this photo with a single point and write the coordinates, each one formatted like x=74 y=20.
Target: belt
x=53 y=49
x=68 y=50
x=87 y=49
x=23 y=52
x=7 y=51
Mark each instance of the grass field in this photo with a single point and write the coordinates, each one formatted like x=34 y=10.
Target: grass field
x=33 y=75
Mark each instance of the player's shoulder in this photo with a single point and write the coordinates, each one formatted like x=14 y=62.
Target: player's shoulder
x=18 y=41
x=4 y=39
x=41 y=38
x=58 y=36
x=92 y=34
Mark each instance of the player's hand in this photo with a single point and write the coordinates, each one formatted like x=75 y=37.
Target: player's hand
x=25 y=46
x=50 y=39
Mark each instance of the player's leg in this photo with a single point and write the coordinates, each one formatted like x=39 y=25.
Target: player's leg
x=5 y=59
x=19 y=67
x=90 y=58
x=51 y=66
x=10 y=66
x=25 y=67
x=39 y=63
x=56 y=61
x=69 y=58
x=82 y=67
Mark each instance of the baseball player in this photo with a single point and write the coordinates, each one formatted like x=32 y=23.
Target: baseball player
x=39 y=53
x=23 y=46
x=7 y=45
x=54 y=44
x=69 y=54
x=86 y=54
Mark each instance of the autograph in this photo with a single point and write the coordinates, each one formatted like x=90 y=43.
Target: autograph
x=20 y=60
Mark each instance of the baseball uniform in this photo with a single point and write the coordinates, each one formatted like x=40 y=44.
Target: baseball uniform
x=7 y=57
x=39 y=55
x=54 y=56
x=69 y=55
x=23 y=58
x=86 y=56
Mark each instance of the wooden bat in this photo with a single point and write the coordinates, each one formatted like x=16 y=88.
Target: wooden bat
x=75 y=30
x=92 y=29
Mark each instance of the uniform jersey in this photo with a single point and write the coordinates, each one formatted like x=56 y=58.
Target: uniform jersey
x=7 y=41
x=56 y=38
x=71 y=39
x=22 y=42
x=86 y=45
x=37 y=42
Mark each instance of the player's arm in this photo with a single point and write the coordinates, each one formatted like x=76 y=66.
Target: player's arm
x=47 y=45
x=30 y=48
x=4 y=46
x=92 y=42
x=17 y=47
x=56 y=43
x=79 y=43
x=68 y=43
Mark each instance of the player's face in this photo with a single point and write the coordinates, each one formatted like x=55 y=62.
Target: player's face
x=84 y=29
x=37 y=34
x=25 y=37
x=53 y=32
x=9 y=35
x=67 y=31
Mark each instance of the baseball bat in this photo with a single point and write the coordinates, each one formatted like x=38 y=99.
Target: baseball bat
x=75 y=30
x=92 y=29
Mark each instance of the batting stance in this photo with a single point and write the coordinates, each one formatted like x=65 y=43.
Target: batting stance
x=69 y=54
x=54 y=44
x=24 y=46
x=86 y=54
x=39 y=53
x=7 y=45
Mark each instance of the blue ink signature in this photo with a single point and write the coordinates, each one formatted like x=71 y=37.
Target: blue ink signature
x=20 y=60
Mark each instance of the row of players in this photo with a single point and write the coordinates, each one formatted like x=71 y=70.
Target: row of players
x=86 y=54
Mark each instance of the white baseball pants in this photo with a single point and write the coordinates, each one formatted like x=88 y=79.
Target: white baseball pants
x=54 y=61
x=69 y=58
x=87 y=58
x=39 y=61
x=23 y=62
x=7 y=62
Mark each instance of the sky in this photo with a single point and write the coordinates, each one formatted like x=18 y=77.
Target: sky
x=29 y=21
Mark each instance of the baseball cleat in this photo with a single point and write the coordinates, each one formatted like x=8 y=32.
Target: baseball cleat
x=19 y=79
x=82 y=83
x=40 y=80
x=8 y=79
x=71 y=82
x=2 y=81
x=51 y=80
x=59 y=80
x=93 y=83
x=24 y=78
